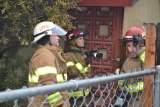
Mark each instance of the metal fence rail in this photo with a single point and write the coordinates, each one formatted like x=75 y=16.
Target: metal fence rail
x=107 y=81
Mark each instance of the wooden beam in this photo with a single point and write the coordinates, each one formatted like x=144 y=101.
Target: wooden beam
x=118 y=3
x=147 y=95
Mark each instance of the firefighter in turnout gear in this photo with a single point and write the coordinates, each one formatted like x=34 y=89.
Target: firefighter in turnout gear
x=77 y=63
x=47 y=65
x=135 y=45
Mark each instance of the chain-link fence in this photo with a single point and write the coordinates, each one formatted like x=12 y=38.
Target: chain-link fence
x=122 y=90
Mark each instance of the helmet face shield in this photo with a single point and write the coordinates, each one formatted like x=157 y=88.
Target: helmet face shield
x=58 y=31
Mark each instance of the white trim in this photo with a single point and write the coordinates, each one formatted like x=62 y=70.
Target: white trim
x=38 y=37
x=128 y=37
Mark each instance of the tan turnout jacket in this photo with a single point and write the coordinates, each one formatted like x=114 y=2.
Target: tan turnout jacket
x=47 y=63
x=72 y=71
x=132 y=65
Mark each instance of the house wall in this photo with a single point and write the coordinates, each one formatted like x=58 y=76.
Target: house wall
x=26 y=52
x=147 y=11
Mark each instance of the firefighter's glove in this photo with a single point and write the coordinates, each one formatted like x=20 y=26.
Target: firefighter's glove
x=88 y=59
x=141 y=54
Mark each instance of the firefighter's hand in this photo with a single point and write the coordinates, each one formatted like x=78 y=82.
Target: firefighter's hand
x=141 y=53
x=88 y=60
x=117 y=71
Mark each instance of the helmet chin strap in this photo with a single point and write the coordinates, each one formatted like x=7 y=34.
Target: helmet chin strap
x=80 y=47
x=50 y=43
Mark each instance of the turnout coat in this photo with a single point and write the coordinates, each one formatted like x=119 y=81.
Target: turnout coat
x=47 y=66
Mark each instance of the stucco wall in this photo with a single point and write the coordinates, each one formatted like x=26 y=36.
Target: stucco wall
x=26 y=52
x=142 y=11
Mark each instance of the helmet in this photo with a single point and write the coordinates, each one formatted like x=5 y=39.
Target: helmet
x=129 y=36
x=46 y=28
x=73 y=34
x=135 y=34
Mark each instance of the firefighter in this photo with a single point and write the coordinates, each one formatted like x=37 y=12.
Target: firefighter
x=47 y=65
x=134 y=40
x=78 y=64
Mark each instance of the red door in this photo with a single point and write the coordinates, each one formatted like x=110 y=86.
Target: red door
x=103 y=26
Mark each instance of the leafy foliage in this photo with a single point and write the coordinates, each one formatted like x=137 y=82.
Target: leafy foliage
x=18 y=18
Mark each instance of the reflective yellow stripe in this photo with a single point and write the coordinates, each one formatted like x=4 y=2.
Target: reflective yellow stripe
x=79 y=93
x=121 y=82
x=134 y=87
x=70 y=63
x=54 y=97
x=89 y=66
x=81 y=68
x=41 y=71
x=33 y=78
x=45 y=70
x=78 y=66
x=85 y=69
x=142 y=57
x=60 y=77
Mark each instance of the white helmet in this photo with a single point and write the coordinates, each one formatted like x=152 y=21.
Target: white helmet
x=47 y=28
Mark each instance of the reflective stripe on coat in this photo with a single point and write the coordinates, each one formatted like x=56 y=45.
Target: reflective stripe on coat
x=45 y=68
x=77 y=68
x=132 y=84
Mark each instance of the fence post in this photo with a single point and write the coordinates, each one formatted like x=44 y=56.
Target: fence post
x=147 y=95
x=157 y=87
